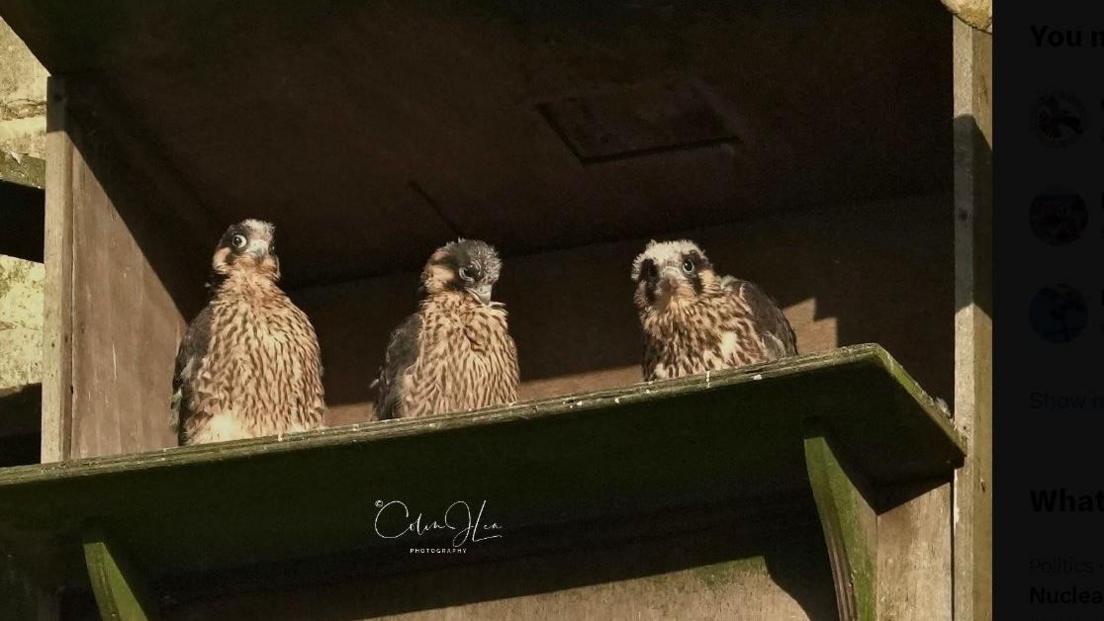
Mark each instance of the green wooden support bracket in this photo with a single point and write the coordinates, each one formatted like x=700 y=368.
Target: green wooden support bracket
x=120 y=590
x=850 y=527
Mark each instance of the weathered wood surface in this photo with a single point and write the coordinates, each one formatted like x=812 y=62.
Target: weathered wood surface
x=57 y=358
x=973 y=403
x=914 y=567
x=726 y=438
x=117 y=289
x=572 y=342
x=125 y=330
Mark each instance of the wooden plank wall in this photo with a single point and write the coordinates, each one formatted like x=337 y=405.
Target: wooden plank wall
x=117 y=286
x=846 y=274
x=914 y=557
x=125 y=330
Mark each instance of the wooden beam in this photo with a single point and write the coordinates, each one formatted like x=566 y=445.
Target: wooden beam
x=973 y=407
x=889 y=545
x=57 y=358
x=120 y=589
x=850 y=528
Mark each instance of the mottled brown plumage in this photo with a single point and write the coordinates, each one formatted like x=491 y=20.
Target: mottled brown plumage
x=695 y=321
x=249 y=364
x=455 y=354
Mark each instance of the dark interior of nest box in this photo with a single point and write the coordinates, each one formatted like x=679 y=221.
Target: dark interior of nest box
x=804 y=145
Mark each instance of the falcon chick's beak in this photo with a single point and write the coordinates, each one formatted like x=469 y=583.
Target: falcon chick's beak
x=258 y=248
x=482 y=292
x=669 y=279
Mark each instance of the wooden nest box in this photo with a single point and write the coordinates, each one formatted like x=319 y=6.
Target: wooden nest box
x=805 y=146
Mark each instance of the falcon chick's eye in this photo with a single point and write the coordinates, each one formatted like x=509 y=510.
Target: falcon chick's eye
x=238 y=241
x=464 y=274
x=688 y=266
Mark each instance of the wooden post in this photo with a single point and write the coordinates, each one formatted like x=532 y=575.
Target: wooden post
x=850 y=529
x=57 y=341
x=973 y=408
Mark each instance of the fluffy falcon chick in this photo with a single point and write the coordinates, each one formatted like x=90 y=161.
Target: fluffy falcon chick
x=454 y=354
x=249 y=364
x=696 y=321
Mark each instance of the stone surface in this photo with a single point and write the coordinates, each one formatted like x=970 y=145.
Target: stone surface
x=21 y=299
x=22 y=99
x=977 y=13
x=22 y=169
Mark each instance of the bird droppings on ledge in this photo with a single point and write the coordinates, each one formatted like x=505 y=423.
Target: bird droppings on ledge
x=757 y=376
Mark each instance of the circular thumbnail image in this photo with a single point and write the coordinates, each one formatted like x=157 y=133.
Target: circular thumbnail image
x=1058 y=119
x=1059 y=313
x=1059 y=217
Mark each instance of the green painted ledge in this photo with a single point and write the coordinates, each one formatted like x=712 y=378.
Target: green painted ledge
x=724 y=438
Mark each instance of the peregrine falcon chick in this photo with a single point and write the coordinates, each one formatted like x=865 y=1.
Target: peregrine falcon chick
x=249 y=364
x=455 y=354
x=696 y=321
